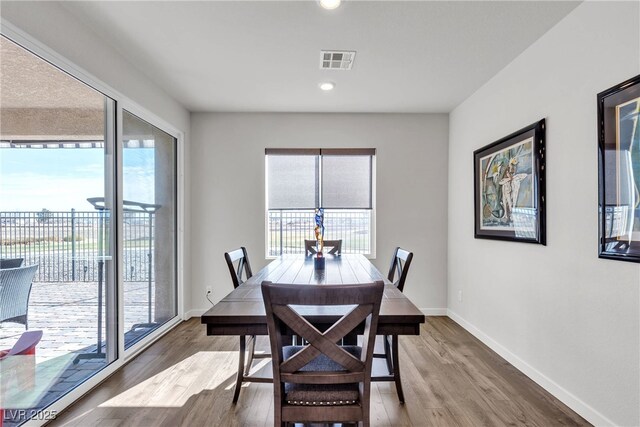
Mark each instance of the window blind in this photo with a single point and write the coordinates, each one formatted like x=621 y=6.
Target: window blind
x=346 y=182
x=292 y=181
x=311 y=178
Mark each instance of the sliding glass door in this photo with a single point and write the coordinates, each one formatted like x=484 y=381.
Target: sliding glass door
x=149 y=227
x=57 y=233
x=88 y=234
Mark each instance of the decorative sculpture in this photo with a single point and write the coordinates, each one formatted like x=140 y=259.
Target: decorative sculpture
x=319 y=232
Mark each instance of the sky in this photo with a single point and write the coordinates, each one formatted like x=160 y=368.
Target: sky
x=61 y=179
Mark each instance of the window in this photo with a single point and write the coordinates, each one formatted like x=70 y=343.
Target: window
x=300 y=180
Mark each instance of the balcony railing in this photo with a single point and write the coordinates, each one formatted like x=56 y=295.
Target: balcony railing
x=287 y=230
x=67 y=245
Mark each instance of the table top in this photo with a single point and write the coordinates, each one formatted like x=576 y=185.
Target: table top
x=242 y=310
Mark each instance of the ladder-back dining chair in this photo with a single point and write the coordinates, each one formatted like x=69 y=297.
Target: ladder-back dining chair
x=321 y=381
x=400 y=263
x=335 y=245
x=239 y=266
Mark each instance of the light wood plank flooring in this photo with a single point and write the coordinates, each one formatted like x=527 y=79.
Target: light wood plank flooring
x=450 y=379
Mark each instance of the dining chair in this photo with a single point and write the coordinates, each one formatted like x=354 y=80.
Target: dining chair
x=239 y=266
x=400 y=263
x=321 y=381
x=240 y=258
x=335 y=245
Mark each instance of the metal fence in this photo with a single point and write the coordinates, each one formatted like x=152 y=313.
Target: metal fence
x=287 y=230
x=68 y=245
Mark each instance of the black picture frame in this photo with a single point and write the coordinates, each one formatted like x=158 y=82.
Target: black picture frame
x=509 y=187
x=619 y=171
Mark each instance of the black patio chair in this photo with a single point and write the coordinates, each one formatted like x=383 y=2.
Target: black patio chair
x=11 y=262
x=15 y=288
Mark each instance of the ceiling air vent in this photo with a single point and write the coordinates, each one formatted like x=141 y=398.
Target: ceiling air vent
x=336 y=59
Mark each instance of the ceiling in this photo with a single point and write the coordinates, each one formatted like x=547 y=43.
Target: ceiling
x=28 y=82
x=40 y=102
x=264 y=56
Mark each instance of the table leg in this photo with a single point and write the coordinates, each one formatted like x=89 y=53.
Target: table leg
x=396 y=367
x=240 y=376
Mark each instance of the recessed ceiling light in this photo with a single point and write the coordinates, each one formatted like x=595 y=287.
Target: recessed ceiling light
x=327 y=86
x=330 y=4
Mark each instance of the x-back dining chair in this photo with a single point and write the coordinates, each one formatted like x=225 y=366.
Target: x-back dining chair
x=321 y=381
x=240 y=258
x=400 y=263
x=335 y=245
x=239 y=266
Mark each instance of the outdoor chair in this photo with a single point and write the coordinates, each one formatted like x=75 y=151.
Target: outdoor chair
x=15 y=288
x=238 y=263
x=335 y=245
x=400 y=263
x=18 y=371
x=321 y=381
x=11 y=262
x=25 y=346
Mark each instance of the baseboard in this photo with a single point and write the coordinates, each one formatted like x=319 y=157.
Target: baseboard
x=573 y=402
x=194 y=313
x=434 y=311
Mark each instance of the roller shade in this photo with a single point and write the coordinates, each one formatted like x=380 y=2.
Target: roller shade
x=346 y=182
x=310 y=178
x=292 y=181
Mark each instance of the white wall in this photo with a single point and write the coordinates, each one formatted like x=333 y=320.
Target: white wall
x=569 y=320
x=228 y=176
x=52 y=26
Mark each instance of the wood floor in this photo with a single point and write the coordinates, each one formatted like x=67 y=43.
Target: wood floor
x=450 y=379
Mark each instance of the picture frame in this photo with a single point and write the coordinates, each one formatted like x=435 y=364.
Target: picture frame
x=509 y=187
x=619 y=171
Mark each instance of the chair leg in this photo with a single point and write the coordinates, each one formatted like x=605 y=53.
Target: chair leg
x=387 y=353
x=277 y=414
x=396 y=367
x=252 y=349
x=366 y=406
x=240 y=375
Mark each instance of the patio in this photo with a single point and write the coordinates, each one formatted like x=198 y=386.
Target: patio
x=67 y=314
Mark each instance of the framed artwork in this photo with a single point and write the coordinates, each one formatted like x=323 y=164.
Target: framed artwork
x=619 y=171
x=509 y=187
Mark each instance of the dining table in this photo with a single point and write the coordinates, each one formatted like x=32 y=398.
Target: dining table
x=242 y=312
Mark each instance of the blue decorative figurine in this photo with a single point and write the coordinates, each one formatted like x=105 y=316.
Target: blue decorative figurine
x=319 y=231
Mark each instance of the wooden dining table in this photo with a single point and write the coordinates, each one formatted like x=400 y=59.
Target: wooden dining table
x=242 y=313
